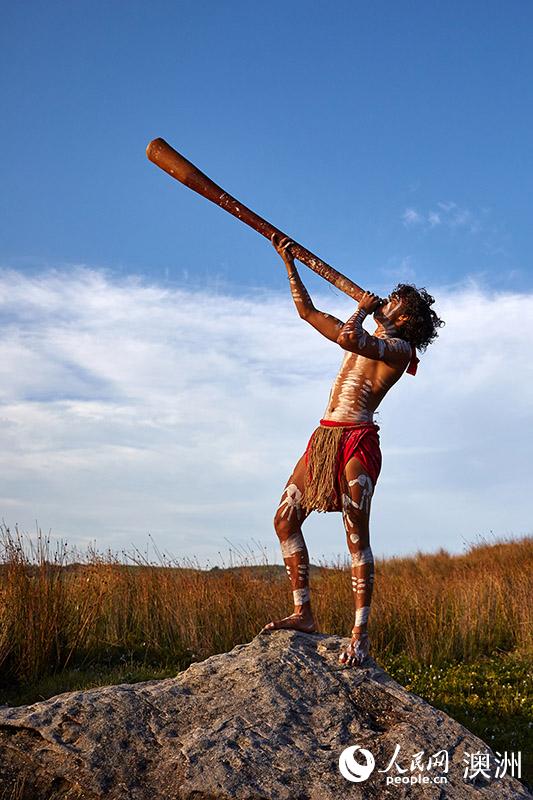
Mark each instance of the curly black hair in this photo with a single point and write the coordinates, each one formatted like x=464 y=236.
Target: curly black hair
x=421 y=327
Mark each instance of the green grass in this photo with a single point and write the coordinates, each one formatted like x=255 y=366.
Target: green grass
x=492 y=697
x=78 y=679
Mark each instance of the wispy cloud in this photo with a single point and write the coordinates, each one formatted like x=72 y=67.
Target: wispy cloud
x=445 y=214
x=127 y=408
x=401 y=269
x=412 y=217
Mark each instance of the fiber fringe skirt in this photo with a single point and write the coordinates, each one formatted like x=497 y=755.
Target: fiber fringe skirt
x=329 y=449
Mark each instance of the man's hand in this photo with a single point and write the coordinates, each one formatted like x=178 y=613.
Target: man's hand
x=369 y=302
x=282 y=246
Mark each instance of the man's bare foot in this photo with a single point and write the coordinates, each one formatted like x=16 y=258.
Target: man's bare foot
x=356 y=652
x=296 y=622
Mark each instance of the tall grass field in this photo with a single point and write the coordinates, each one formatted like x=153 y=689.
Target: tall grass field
x=455 y=629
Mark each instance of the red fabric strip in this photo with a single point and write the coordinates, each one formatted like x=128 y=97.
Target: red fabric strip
x=413 y=364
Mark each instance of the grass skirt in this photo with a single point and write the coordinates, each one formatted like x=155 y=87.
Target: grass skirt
x=328 y=451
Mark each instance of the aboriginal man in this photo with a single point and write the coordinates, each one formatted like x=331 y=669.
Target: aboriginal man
x=342 y=461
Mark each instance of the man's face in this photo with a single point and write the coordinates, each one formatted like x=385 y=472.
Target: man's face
x=391 y=310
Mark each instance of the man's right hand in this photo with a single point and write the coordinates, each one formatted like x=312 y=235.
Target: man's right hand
x=282 y=244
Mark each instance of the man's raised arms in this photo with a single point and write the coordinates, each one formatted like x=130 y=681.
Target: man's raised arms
x=349 y=335
x=326 y=324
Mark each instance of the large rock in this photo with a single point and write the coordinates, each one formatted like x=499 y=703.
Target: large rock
x=267 y=720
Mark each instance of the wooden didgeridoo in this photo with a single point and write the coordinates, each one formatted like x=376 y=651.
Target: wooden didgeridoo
x=164 y=156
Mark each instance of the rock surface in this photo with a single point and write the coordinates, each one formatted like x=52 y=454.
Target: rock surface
x=267 y=720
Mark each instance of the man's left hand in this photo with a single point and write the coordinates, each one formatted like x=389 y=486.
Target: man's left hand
x=370 y=301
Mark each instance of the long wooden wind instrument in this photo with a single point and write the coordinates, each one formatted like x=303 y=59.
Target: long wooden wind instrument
x=165 y=157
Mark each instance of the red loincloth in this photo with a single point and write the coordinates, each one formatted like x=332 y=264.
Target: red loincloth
x=358 y=440
x=413 y=364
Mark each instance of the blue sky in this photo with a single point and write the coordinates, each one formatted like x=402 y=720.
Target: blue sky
x=392 y=139
x=331 y=122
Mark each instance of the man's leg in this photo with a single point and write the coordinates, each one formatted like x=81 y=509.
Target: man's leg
x=287 y=522
x=357 y=493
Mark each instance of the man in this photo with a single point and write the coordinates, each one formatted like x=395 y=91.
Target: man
x=342 y=461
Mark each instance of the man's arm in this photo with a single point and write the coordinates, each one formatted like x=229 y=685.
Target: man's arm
x=354 y=338
x=326 y=324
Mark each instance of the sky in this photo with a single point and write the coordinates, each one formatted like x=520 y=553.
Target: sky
x=156 y=380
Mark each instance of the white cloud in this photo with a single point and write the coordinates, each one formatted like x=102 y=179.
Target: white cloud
x=411 y=217
x=129 y=408
x=447 y=214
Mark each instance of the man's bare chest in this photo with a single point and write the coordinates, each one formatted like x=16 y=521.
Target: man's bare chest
x=357 y=371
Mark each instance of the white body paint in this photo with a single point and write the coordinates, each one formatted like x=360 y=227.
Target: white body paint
x=361 y=616
x=348 y=502
x=294 y=544
x=350 y=393
x=291 y=501
x=383 y=314
x=358 y=389
x=367 y=488
x=362 y=557
x=300 y=295
x=301 y=596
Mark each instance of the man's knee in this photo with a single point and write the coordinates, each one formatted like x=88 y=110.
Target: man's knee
x=291 y=540
x=362 y=555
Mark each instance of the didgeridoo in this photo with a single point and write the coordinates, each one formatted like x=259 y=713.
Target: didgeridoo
x=165 y=157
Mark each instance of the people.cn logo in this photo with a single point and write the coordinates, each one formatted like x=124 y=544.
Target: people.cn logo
x=353 y=770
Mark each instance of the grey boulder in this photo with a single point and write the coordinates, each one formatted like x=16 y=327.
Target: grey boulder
x=269 y=720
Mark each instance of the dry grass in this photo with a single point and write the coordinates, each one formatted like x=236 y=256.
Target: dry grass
x=58 y=610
